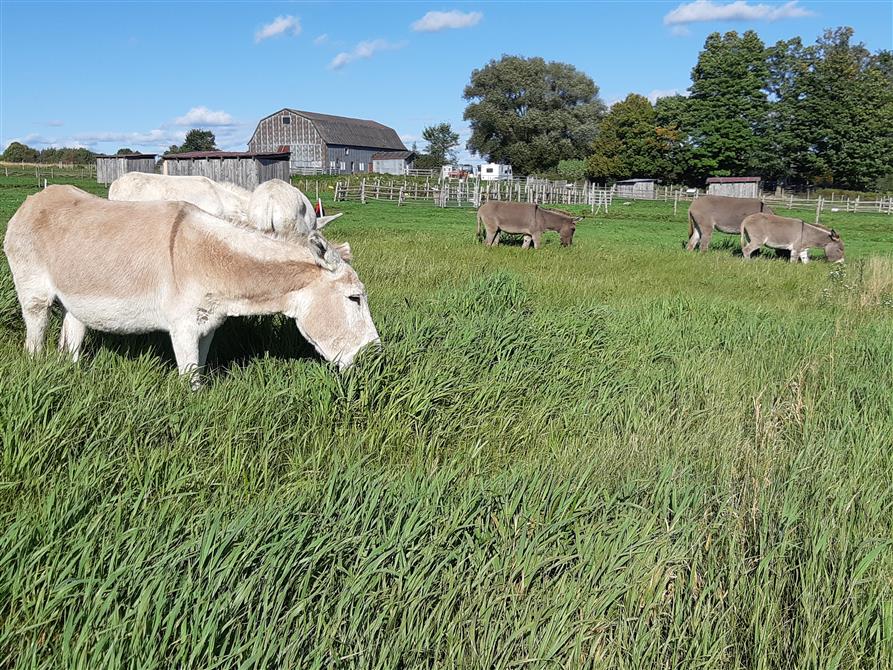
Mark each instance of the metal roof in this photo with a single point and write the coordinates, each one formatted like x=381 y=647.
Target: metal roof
x=733 y=180
x=228 y=154
x=636 y=181
x=392 y=155
x=353 y=132
x=125 y=155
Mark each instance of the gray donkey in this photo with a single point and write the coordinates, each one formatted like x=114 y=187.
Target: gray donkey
x=526 y=219
x=781 y=232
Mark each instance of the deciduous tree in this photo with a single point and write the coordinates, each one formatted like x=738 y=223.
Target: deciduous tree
x=531 y=113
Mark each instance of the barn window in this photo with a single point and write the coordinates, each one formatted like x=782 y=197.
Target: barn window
x=346 y=152
x=489 y=170
x=362 y=167
x=343 y=165
x=286 y=120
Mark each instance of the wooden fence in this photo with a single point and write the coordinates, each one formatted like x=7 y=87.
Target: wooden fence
x=471 y=193
x=41 y=171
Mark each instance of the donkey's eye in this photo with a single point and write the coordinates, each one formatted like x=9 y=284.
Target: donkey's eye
x=356 y=298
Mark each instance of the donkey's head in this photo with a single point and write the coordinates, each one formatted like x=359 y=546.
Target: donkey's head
x=332 y=310
x=834 y=248
x=562 y=223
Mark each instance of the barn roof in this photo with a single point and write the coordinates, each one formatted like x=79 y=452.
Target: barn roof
x=125 y=155
x=636 y=181
x=353 y=132
x=733 y=180
x=392 y=155
x=228 y=154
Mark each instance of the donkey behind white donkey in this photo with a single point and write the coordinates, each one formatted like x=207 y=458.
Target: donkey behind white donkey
x=274 y=207
x=133 y=267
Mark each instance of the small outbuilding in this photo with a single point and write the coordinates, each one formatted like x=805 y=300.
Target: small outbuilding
x=640 y=189
x=392 y=162
x=242 y=168
x=109 y=168
x=734 y=187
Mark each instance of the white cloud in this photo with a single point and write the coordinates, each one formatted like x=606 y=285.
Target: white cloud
x=202 y=116
x=157 y=137
x=363 y=50
x=281 y=24
x=740 y=10
x=665 y=93
x=433 y=22
x=321 y=39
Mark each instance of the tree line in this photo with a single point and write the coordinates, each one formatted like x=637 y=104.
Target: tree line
x=791 y=113
x=195 y=140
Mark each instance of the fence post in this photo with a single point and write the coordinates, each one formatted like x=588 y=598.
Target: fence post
x=818 y=209
x=363 y=191
x=675 y=202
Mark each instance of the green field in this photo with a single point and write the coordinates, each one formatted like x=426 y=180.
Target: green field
x=617 y=455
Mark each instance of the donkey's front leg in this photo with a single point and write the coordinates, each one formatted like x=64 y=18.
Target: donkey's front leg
x=186 y=350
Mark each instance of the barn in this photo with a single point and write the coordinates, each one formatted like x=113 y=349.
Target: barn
x=392 y=162
x=641 y=189
x=243 y=168
x=735 y=187
x=109 y=168
x=323 y=142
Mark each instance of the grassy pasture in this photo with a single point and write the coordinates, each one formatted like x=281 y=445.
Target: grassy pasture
x=617 y=455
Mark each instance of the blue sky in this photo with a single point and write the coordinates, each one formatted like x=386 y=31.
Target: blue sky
x=140 y=74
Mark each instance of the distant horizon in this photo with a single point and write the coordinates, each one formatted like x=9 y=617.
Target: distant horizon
x=140 y=75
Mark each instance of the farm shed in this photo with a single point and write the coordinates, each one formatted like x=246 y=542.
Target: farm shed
x=735 y=187
x=243 y=168
x=323 y=142
x=392 y=162
x=109 y=168
x=642 y=189
x=495 y=172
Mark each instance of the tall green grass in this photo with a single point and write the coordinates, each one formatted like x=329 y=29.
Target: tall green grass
x=617 y=455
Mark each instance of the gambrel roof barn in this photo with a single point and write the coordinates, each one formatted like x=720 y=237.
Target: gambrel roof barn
x=324 y=142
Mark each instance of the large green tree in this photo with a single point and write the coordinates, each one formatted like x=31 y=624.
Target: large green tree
x=442 y=143
x=196 y=140
x=727 y=114
x=531 y=113
x=17 y=152
x=629 y=143
x=833 y=117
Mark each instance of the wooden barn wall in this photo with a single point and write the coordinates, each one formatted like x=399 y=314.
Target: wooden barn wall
x=735 y=190
x=245 y=172
x=109 y=169
x=301 y=136
x=351 y=157
x=269 y=168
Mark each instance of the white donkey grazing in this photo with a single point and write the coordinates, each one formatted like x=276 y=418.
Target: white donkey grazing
x=274 y=207
x=131 y=267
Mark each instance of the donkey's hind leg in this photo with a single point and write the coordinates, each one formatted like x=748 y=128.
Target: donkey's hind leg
x=36 y=313
x=72 y=336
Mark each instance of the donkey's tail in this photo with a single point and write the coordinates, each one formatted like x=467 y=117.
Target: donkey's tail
x=477 y=232
x=691 y=225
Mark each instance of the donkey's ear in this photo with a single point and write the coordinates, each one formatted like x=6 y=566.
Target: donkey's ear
x=834 y=235
x=343 y=249
x=324 y=255
x=323 y=221
x=578 y=218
